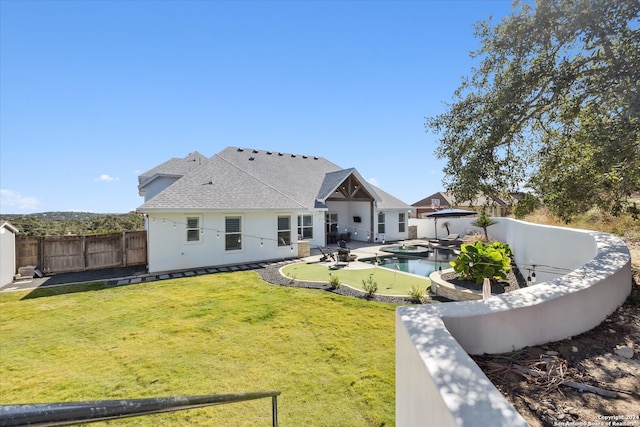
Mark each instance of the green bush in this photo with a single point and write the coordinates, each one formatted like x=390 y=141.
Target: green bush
x=505 y=247
x=417 y=294
x=481 y=260
x=334 y=281
x=369 y=286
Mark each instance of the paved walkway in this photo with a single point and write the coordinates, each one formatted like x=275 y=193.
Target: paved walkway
x=138 y=274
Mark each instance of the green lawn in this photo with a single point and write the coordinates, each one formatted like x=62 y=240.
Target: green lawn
x=332 y=357
x=389 y=282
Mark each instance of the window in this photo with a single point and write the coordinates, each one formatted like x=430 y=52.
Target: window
x=381 y=223
x=284 y=230
x=305 y=226
x=193 y=229
x=232 y=233
x=435 y=202
x=331 y=223
x=401 y=222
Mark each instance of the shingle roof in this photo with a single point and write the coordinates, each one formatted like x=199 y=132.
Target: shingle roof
x=174 y=167
x=480 y=200
x=248 y=179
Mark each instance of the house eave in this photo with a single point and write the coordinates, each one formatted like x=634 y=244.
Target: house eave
x=9 y=226
x=149 y=180
x=150 y=211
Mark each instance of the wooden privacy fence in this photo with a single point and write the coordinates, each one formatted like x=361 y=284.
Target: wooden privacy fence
x=60 y=254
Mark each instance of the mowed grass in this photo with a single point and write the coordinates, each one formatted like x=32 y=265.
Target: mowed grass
x=389 y=281
x=332 y=357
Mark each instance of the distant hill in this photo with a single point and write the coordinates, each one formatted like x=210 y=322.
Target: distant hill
x=57 y=216
x=79 y=223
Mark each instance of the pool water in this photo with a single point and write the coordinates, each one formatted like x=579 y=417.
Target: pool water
x=421 y=266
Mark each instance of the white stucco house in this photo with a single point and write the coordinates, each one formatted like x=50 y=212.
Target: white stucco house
x=245 y=205
x=7 y=252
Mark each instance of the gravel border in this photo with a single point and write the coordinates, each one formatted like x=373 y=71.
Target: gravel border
x=271 y=274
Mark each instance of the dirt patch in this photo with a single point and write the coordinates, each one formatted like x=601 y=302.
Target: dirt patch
x=590 y=379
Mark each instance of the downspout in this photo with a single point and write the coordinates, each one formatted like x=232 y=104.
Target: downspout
x=371 y=224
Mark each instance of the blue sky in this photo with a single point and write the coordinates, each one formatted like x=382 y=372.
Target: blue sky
x=92 y=93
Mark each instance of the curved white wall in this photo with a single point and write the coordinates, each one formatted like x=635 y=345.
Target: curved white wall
x=587 y=276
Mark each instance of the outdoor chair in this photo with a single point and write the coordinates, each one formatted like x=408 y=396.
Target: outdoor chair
x=326 y=254
x=343 y=251
x=468 y=238
x=447 y=240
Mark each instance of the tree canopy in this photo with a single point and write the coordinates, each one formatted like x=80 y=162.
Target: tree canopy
x=64 y=223
x=553 y=106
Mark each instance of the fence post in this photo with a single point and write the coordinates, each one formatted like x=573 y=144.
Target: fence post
x=84 y=252
x=124 y=249
x=41 y=253
x=274 y=410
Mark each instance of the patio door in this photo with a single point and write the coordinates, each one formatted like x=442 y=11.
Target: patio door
x=331 y=227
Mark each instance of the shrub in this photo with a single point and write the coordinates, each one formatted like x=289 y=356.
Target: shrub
x=369 y=286
x=484 y=221
x=505 y=247
x=417 y=294
x=481 y=260
x=527 y=205
x=334 y=282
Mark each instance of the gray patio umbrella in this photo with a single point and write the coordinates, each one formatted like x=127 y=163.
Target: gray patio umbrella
x=451 y=213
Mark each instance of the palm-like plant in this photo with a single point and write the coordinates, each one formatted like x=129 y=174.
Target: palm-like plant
x=484 y=222
x=446 y=225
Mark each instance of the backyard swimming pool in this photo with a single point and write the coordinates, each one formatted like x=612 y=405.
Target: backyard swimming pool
x=422 y=265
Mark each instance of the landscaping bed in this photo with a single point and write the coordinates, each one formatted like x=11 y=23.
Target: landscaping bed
x=515 y=280
x=577 y=381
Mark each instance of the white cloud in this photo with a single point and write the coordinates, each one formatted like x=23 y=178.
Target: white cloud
x=374 y=181
x=14 y=200
x=106 y=178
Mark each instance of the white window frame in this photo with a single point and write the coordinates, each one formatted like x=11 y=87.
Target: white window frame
x=194 y=231
x=284 y=234
x=233 y=238
x=305 y=231
x=402 y=222
x=331 y=218
x=381 y=224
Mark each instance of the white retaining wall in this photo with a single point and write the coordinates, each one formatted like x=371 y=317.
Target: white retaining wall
x=431 y=228
x=583 y=277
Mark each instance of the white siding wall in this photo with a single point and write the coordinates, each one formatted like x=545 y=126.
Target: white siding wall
x=7 y=256
x=318 y=229
x=346 y=211
x=157 y=186
x=429 y=228
x=391 y=227
x=169 y=250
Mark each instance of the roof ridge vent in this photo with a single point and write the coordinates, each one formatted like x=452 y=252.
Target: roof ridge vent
x=240 y=149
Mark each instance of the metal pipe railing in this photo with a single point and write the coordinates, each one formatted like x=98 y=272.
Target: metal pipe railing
x=67 y=413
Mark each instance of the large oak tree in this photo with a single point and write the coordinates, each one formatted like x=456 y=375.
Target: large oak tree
x=553 y=106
